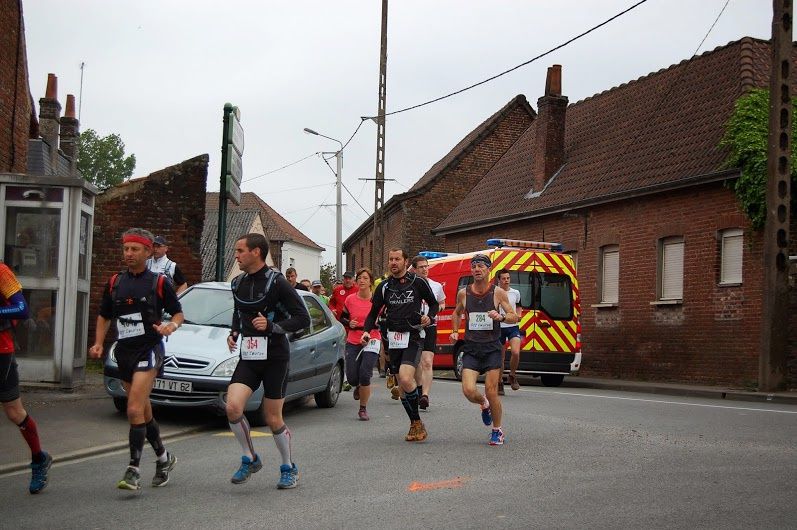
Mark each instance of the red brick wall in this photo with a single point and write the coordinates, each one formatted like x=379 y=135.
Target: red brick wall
x=713 y=337
x=15 y=109
x=426 y=211
x=169 y=202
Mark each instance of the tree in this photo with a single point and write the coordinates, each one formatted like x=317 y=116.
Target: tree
x=328 y=276
x=747 y=135
x=101 y=160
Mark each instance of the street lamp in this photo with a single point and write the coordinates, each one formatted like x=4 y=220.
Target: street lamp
x=338 y=210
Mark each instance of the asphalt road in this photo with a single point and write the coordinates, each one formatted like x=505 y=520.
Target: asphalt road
x=573 y=459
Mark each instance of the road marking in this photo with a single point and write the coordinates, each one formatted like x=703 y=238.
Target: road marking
x=548 y=392
x=441 y=485
x=254 y=434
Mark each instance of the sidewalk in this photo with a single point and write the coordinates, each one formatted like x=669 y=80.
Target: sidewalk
x=82 y=423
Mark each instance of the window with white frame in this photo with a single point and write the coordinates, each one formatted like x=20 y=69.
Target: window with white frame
x=731 y=256
x=671 y=266
x=610 y=274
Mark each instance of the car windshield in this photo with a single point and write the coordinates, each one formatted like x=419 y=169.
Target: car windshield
x=207 y=307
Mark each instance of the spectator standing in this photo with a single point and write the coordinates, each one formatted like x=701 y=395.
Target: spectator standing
x=160 y=263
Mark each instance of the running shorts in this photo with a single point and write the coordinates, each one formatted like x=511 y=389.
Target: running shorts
x=143 y=361
x=482 y=356
x=410 y=355
x=9 y=378
x=430 y=340
x=510 y=333
x=273 y=373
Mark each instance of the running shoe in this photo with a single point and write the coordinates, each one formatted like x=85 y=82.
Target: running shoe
x=346 y=386
x=38 y=479
x=413 y=432
x=162 y=469
x=423 y=402
x=420 y=432
x=131 y=480
x=356 y=394
x=363 y=415
x=247 y=468
x=391 y=380
x=289 y=477
x=514 y=382
x=487 y=414
x=395 y=392
x=497 y=437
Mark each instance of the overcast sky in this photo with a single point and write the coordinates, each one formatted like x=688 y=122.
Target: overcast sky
x=159 y=72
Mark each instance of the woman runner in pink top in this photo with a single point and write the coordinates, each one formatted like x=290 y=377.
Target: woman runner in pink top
x=361 y=356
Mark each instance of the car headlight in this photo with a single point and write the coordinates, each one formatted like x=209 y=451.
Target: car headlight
x=226 y=368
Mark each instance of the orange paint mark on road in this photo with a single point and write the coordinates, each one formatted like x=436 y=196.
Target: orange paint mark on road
x=441 y=485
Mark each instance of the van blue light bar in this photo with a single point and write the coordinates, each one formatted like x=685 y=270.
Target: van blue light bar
x=517 y=243
x=429 y=254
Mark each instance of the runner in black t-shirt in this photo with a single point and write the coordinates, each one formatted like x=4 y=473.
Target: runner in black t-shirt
x=401 y=295
x=136 y=299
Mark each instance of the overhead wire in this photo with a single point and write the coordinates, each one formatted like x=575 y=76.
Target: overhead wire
x=281 y=168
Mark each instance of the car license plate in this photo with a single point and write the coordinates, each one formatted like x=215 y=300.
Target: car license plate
x=173 y=386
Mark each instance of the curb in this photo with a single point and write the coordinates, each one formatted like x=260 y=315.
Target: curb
x=784 y=398
x=97 y=450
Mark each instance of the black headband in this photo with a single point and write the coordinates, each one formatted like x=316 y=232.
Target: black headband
x=481 y=258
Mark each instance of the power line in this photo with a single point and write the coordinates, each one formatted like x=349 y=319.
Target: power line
x=295 y=189
x=540 y=56
x=281 y=168
x=354 y=199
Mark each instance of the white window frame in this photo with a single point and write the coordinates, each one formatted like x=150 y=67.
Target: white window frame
x=671 y=269
x=731 y=261
x=610 y=274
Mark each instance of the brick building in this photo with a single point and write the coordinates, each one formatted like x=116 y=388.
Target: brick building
x=411 y=216
x=632 y=181
x=17 y=115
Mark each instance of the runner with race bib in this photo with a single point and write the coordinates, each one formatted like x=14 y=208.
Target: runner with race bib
x=361 y=354
x=401 y=295
x=479 y=303
x=266 y=308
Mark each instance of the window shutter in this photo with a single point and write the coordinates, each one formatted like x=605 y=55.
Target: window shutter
x=731 y=267
x=611 y=275
x=672 y=274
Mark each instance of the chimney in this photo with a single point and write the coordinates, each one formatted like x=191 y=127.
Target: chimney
x=49 y=114
x=549 y=142
x=70 y=133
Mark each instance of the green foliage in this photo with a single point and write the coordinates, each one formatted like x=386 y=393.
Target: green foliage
x=328 y=276
x=101 y=160
x=747 y=134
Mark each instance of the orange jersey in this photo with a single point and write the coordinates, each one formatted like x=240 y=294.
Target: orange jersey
x=9 y=286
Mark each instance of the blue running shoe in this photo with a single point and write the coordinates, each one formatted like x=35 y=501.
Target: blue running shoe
x=38 y=479
x=247 y=468
x=289 y=476
x=487 y=416
x=497 y=437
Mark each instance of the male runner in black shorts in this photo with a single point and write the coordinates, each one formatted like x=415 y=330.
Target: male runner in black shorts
x=14 y=307
x=401 y=296
x=136 y=298
x=266 y=309
x=480 y=302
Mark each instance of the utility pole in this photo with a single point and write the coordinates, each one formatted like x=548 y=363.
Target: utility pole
x=377 y=252
x=775 y=311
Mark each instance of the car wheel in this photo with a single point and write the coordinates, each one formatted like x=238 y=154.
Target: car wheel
x=120 y=404
x=458 y=355
x=257 y=417
x=329 y=396
x=552 y=379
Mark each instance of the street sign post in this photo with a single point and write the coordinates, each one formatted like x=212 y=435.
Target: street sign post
x=232 y=150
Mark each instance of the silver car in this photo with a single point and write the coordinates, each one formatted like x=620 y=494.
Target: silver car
x=198 y=364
